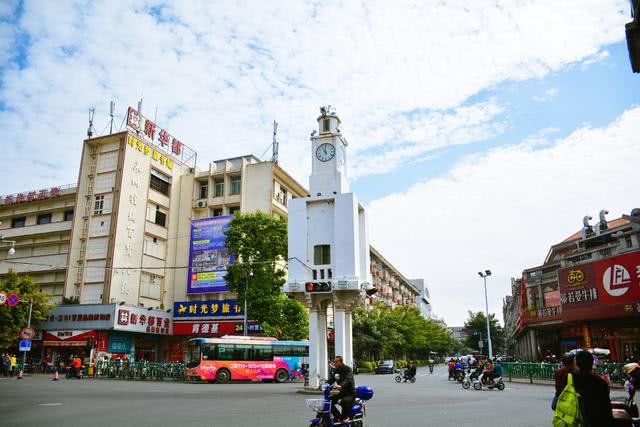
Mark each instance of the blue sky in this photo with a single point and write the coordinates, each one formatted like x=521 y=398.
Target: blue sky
x=480 y=132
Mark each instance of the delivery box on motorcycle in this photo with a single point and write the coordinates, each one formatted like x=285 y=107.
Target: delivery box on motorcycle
x=364 y=392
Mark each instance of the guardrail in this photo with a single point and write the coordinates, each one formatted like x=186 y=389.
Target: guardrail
x=140 y=370
x=546 y=371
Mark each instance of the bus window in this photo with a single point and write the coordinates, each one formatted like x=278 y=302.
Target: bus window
x=262 y=352
x=208 y=352
x=233 y=351
x=193 y=355
x=282 y=350
x=302 y=350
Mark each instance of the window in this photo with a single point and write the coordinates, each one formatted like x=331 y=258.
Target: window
x=18 y=222
x=234 y=209
x=105 y=182
x=150 y=285
x=44 y=219
x=291 y=350
x=160 y=182
x=219 y=186
x=262 y=352
x=322 y=254
x=99 y=205
x=217 y=212
x=628 y=241
x=204 y=191
x=233 y=352
x=97 y=247
x=107 y=161
x=68 y=215
x=235 y=184
x=326 y=125
x=161 y=217
x=154 y=247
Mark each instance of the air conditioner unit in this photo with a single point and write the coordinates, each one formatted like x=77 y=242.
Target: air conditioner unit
x=201 y=204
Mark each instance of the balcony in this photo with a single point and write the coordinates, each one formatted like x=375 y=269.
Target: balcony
x=32 y=230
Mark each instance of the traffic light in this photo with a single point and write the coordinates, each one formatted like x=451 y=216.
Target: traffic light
x=633 y=37
x=317 y=287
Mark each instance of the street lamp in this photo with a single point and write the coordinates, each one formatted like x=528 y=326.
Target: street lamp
x=484 y=276
x=246 y=288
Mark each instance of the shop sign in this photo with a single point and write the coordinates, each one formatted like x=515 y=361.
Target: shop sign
x=76 y=316
x=69 y=338
x=119 y=343
x=136 y=319
x=211 y=309
x=30 y=196
x=604 y=288
x=208 y=255
x=151 y=133
x=148 y=151
x=214 y=328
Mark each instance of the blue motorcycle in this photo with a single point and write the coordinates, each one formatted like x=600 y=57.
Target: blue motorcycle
x=322 y=407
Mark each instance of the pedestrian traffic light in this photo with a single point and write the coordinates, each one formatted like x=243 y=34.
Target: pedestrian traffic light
x=317 y=287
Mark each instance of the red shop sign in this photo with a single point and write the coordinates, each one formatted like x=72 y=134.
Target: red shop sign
x=213 y=328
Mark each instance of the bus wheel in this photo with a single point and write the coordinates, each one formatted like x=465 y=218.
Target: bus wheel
x=223 y=376
x=282 y=376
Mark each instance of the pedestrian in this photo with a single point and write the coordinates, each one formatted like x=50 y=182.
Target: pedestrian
x=4 y=365
x=568 y=363
x=14 y=364
x=595 y=403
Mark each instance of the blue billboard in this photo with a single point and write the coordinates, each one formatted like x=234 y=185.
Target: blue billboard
x=208 y=255
x=210 y=309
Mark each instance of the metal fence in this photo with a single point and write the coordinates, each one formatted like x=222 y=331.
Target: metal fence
x=546 y=371
x=140 y=370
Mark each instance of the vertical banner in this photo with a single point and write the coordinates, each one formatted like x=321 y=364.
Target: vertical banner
x=208 y=255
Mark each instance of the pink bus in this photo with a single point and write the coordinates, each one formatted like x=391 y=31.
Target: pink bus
x=246 y=358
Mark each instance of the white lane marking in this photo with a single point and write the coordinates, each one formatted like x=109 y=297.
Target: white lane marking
x=51 y=404
x=156 y=391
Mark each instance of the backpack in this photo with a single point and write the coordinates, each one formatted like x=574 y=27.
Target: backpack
x=567 y=413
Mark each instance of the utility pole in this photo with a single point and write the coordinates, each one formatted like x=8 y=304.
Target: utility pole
x=484 y=276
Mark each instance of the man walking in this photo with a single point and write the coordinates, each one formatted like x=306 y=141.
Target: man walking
x=594 y=393
x=568 y=362
x=342 y=376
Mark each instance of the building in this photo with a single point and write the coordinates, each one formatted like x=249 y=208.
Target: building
x=585 y=294
x=510 y=314
x=423 y=299
x=393 y=287
x=38 y=224
x=124 y=231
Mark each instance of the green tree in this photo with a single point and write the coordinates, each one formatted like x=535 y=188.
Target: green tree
x=13 y=319
x=259 y=244
x=476 y=327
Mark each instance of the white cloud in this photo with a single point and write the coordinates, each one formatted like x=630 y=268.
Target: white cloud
x=221 y=72
x=549 y=93
x=503 y=210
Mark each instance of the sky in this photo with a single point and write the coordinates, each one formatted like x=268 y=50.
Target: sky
x=480 y=132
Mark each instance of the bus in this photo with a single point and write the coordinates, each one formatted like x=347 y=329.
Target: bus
x=246 y=358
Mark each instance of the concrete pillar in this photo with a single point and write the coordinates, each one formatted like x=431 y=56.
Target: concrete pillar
x=339 y=331
x=323 y=362
x=314 y=352
x=534 y=345
x=348 y=338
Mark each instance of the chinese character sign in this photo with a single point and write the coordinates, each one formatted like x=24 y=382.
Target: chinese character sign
x=208 y=256
x=209 y=309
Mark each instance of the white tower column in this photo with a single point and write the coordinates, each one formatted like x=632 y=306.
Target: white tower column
x=339 y=331
x=348 y=338
x=314 y=352
x=323 y=363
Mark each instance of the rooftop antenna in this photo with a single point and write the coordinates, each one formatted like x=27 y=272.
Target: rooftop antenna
x=275 y=143
x=112 y=109
x=140 y=106
x=91 y=130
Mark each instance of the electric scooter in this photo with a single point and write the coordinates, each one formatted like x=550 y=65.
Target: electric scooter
x=322 y=408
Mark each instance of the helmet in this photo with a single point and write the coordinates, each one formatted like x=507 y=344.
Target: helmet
x=630 y=367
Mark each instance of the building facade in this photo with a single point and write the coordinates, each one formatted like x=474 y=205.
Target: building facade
x=423 y=299
x=118 y=241
x=585 y=294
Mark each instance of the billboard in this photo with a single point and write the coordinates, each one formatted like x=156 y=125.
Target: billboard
x=603 y=288
x=208 y=256
x=207 y=309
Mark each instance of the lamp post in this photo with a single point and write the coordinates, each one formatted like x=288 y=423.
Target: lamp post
x=484 y=276
x=246 y=288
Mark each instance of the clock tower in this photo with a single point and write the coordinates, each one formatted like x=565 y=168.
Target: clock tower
x=329 y=154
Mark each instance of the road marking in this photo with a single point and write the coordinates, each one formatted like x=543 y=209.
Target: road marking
x=156 y=391
x=51 y=404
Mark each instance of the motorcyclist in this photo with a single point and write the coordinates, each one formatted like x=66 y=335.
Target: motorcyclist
x=632 y=370
x=410 y=372
x=345 y=389
x=488 y=372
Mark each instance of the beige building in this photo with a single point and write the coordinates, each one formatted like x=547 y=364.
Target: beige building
x=38 y=225
x=393 y=287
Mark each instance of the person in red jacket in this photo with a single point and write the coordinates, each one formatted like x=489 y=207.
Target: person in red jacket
x=568 y=366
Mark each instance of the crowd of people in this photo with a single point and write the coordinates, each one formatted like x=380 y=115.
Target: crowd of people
x=490 y=367
x=577 y=383
x=8 y=364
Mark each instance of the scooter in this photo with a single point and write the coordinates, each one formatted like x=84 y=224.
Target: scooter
x=322 y=408
x=403 y=377
x=431 y=368
x=471 y=376
x=497 y=383
x=75 y=373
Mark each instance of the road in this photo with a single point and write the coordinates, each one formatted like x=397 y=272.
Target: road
x=431 y=401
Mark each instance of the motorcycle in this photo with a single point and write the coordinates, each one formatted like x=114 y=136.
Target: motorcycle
x=431 y=368
x=322 y=408
x=471 y=376
x=402 y=376
x=75 y=373
x=483 y=381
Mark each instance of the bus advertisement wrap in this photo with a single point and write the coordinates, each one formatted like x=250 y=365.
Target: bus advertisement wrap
x=208 y=255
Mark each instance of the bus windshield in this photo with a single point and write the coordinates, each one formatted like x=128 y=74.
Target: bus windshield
x=193 y=354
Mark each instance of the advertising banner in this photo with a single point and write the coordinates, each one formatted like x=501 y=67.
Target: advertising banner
x=207 y=309
x=208 y=256
x=136 y=319
x=604 y=288
x=214 y=328
x=76 y=316
x=119 y=343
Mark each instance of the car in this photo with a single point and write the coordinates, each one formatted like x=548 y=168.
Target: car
x=385 y=367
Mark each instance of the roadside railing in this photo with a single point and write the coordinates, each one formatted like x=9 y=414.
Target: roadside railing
x=140 y=370
x=546 y=371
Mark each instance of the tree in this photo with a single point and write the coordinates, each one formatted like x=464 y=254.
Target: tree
x=259 y=244
x=13 y=319
x=476 y=327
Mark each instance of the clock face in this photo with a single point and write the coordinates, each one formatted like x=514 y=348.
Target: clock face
x=325 y=152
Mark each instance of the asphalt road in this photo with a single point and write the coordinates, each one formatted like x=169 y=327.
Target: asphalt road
x=431 y=401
